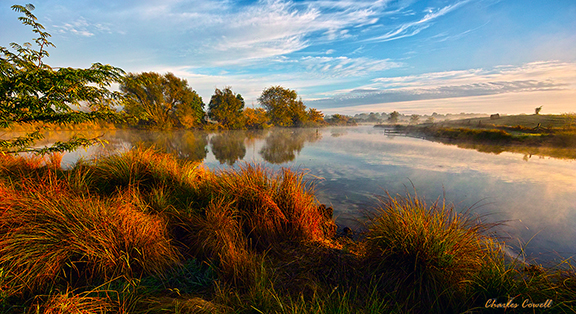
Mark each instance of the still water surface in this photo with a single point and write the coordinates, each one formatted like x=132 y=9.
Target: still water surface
x=352 y=166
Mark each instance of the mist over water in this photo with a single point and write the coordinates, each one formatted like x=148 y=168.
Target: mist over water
x=351 y=167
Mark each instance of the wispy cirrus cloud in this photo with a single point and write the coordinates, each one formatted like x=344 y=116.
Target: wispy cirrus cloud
x=345 y=66
x=412 y=28
x=79 y=27
x=227 y=33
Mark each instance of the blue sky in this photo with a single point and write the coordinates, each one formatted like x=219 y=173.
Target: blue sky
x=481 y=56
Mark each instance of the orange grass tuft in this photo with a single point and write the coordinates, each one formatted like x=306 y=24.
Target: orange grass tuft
x=427 y=254
x=272 y=207
x=49 y=233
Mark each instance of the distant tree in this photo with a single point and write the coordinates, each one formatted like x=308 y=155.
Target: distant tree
x=338 y=119
x=393 y=116
x=227 y=108
x=414 y=119
x=430 y=120
x=373 y=117
x=255 y=118
x=538 y=109
x=315 y=116
x=283 y=107
x=162 y=101
x=32 y=92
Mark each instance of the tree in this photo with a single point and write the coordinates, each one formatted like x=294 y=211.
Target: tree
x=32 y=92
x=414 y=119
x=226 y=108
x=315 y=116
x=538 y=109
x=283 y=107
x=255 y=118
x=393 y=117
x=338 y=119
x=162 y=101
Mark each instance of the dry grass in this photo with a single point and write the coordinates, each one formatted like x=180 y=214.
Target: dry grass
x=426 y=254
x=49 y=234
x=272 y=207
x=144 y=232
x=68 y=302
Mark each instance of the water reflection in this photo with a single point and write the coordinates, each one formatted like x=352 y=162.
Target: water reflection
x=229 y=147
x=281 y=146
x=527 y=151
x=184 y=144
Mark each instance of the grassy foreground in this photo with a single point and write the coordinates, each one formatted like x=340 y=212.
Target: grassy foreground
x=144 y=232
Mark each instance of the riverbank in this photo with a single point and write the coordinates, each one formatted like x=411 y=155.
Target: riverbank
x=144 y=232
x=547 y=135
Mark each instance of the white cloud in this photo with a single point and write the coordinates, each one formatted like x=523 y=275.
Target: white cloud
x=226 y=33
x=532 y=77
x=78 y=27
x=412 y=28
x=345 y=66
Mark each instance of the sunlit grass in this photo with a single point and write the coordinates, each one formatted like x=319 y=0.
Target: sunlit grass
x=426 y=253
x=145 y=232
x=50 y=234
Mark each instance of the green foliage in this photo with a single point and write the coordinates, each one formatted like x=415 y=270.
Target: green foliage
x=162 y=101
x=315 y=117
x=393 y=117
x=226 y=108
x=338 y=119
x=32 y=91
x=414 y=119
x=283 y=107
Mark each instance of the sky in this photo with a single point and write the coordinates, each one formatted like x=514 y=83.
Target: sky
x=350 y=56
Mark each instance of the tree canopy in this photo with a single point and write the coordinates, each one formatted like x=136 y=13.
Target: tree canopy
x=33 y=92
x=162 y=101
x=283 y=107
x=226 y=107
x=394 y=116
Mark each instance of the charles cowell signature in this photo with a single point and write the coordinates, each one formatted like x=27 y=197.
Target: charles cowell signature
x=527 y=303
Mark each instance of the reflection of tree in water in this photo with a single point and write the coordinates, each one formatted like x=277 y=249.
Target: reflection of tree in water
x=184 y=144
x=282 y=144
x=228 y=147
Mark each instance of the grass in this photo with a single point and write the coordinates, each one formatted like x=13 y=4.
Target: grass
x=145 y=232
x=426 y=254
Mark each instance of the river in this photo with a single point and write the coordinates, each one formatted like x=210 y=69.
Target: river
x=352 y=166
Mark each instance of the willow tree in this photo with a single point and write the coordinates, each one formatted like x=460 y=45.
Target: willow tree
x=161 y=101
x=34 y=93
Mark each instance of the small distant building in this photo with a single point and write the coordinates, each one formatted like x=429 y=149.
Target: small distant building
x=494 y=116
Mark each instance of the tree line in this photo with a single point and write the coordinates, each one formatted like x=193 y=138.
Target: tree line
x=33 y=92
x=166 y=101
